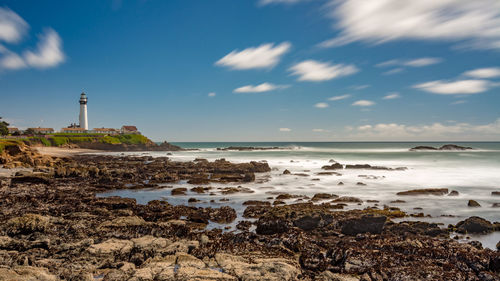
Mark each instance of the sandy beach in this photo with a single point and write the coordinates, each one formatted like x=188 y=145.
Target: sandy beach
x=63 y=152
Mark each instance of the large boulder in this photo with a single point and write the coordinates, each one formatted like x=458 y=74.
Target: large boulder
x=365 y=224
x=474 y=225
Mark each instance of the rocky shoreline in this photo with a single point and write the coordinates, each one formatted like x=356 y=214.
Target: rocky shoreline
x=54 y=227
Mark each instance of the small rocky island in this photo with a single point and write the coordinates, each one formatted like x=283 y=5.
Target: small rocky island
x=54 y=227
x=446 y=147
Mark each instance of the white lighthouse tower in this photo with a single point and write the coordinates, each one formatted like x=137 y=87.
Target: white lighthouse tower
x=83 y=112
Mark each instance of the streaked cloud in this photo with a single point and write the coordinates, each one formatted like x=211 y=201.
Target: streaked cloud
x=319 y=130
x=285 y=130
x=12 y=26
x=263 y=56
x=212 y=94
x=462 y=87
x=10 y=60
x=419 y=62
x=434 y=131
x=49 y=51
x=459 y=102
x=336 y=98
x=394 y=71
x=475 y=23
x=321 y=105
x=267 y=2
x=360 y=87
x=391 y=96
x=363 y=103
x=316 y=71
x=484 y=73
x=264 y=87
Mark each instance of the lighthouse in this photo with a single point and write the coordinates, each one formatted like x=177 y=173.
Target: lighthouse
x=83 y=112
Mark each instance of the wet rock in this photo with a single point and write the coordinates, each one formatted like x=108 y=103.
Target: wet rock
x=397 y=201
x=200 y=189
x=328 y=174
x=498 y=246
x=179 y=191
x=473 y=203
x=323 y=196
x=347 y=199
x=495 y=205
x=495 y=193
x=244 y=225
x=453 y=193
x=360 y=183
x=307 y=222
x=256 y=203
x=286 y=172
x=425 y=191
x=255 y=211
x=223 y=214
x=193 y=200
x=334 y=166
x=365 y=224
x=271 y=225
x=474 y=225
x=340 y=183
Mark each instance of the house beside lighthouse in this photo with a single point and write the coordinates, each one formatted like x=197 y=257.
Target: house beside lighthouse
x=84 y=123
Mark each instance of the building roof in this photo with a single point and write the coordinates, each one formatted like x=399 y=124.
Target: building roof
x=42 y=129
x=104 y=129
x=13 y=129
x=129 y=128
x=73 y=129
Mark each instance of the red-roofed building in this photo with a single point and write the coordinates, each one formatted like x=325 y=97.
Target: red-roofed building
x=129 y=130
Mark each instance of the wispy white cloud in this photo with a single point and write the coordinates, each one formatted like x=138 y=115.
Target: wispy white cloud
x=12 y=26
x=10 y=60
x=363 y=103
x=382 y=21
x=419 y=62
x=392 y=96
x=311 y=70
x=321 y=105
x=360 y=87
x=394 y=71
x=212 y=94
x=319 y=130
x=263 y=56
x=336 y=98
x=267 y=2
x=484 y=73
x=285 y=130
x=459 y=102
x=49 y=51
x=264 y=87
x=462 y=87
x=435 y=131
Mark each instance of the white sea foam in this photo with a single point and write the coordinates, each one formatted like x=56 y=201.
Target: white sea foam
x=473 y=174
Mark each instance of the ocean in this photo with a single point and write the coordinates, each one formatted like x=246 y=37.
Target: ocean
x=473 y=173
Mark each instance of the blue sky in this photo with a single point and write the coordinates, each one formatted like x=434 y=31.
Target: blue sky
x=256 y=70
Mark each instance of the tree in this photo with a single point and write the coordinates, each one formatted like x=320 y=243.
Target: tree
x=4 y=130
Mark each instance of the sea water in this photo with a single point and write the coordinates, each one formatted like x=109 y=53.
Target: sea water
x=473 y=173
